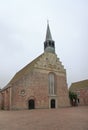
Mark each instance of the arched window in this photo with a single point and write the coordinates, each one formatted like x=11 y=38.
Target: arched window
x=51 y=84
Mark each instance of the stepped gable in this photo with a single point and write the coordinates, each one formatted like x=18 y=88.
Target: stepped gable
x=44 y=61
x=49 y=61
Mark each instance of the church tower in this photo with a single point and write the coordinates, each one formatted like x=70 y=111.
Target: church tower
x=49 y=45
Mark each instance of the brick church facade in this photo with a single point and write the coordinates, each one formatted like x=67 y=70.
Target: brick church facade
x=40 y=84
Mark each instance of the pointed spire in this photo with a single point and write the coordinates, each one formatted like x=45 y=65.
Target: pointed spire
x=48 y=33
x=49 y=44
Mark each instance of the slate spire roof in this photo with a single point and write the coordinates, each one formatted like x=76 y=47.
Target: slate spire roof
x=48 y=33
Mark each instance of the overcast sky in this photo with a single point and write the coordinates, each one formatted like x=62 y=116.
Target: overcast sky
x=23 y=29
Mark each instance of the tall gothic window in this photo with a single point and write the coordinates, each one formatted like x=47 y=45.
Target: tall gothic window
x=51 y=84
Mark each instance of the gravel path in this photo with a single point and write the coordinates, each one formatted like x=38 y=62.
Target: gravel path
x=74 y=118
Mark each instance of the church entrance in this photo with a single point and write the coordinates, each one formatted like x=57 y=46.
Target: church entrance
x=31 y=104
x=53 y=103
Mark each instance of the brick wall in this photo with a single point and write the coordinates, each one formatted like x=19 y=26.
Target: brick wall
x=83 y=96
x=35 y=86
x=0 y=101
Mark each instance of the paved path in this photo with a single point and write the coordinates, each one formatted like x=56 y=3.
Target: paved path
x=74 y=118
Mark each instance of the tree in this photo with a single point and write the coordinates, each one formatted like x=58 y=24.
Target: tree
x=73 y=98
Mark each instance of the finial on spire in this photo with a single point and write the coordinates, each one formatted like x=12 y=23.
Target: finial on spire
x=47 y=21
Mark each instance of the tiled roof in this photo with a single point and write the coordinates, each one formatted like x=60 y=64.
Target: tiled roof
x=23 y=71
x=26 y=69
x=79 y=85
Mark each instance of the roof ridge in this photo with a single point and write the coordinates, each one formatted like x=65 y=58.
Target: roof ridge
x=80 y=81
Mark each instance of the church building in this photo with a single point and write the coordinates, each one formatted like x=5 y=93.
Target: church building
x=40 y=84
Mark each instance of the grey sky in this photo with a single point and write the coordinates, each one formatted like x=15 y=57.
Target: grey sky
x=23 y=30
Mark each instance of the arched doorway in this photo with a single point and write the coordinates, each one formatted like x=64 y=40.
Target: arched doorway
x=53 y=103
x=31 y=104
